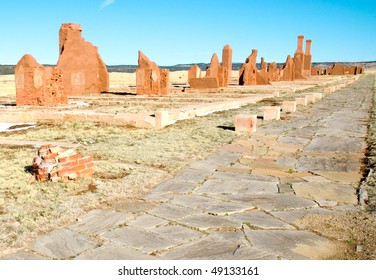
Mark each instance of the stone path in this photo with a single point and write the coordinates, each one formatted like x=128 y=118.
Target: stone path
x=242 y=202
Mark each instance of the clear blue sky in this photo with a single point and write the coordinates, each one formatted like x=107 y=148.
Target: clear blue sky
x=173 y=32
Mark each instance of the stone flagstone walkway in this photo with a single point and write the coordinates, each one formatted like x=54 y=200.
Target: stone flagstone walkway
x=242 y=202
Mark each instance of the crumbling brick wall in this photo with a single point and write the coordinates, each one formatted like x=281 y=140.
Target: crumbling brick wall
x=216 y=75
x=54 y=163
x=248 y=73
x=83 y=68
x=299 y=59
x=227 y=61
x=194 y=72
x=37 y=85
x=273 y=72
x=316 y=71
x=339 y=69
x=150 y=79
x=287 y=70
x=307 y=59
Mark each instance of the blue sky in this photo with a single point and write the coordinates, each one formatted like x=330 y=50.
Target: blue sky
x=189 y=31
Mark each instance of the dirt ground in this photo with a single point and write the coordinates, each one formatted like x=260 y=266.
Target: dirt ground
x=128 y=162
x=354 y=232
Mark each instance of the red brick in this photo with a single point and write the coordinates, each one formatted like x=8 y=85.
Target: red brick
x=43 y=152
x=75 y=157
x=87 y=159
x=49 y=161
x=62 y=173
x=50 y=156
x=63 y=159
x=52 y=174
x=89 y=165
x=42 y=177
x=40 y=171
x=80 y=167
x=69 y=164
x=46 y=147
x=37 y=160
x=86 y=173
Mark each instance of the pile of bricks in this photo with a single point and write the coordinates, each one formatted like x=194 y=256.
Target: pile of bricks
x=54 y=163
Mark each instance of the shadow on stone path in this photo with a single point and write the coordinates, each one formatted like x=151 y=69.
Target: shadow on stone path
x=242 y=202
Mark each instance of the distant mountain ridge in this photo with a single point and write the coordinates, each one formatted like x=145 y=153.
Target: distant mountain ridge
x=9 y=69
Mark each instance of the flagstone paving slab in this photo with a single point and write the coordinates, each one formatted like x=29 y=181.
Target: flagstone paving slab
x=272 y=202
x=191 y=175
x=226 y=208
x=208 y=166
x=236 y=148
x=175 y=186
x=331 y=143
x=218 y=250
x=319 y=179
x=139 y=239
x=114 y=251
x=343 y=177
x=196 y=202
x=236 y=168
x=133 y=206
x=62 y=244
x=172 y=212
x=261 y=220
x=294 y=140
x=178 y=233
x=224 y=158
x=237 y=187
x=235 y=235
x=293 y=216
x=245 y=177
x=286 y=161
x=271 y=172
x=207 y=221
x=99 y=221
x=324 y=164
x=158 y=196
x=298 y=245
x=326 y=191
x=147 y=221
x=23 y=255
x=270 y=166
x=286 y=148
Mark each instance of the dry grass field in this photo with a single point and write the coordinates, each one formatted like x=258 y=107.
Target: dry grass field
x=7 y=85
